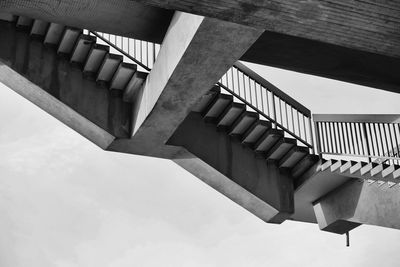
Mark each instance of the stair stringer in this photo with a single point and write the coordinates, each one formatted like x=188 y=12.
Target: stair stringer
x=36 y=72
x=261 y=179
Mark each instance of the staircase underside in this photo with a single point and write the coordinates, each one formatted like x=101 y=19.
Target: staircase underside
x=221 y=141
x=336 y=40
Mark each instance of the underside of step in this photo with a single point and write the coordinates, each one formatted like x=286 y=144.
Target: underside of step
x=260 y=135
x=74 y=69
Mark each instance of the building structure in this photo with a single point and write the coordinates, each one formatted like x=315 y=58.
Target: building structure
x=163 y=79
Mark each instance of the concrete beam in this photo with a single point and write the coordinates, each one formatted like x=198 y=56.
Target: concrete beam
x=52 y=83
x=258 y=179
x=122 y=17
x=226 y=186
x=54 y=107
x=357 y=24
x=356 y=203
x=196 y=52
x=326 y=60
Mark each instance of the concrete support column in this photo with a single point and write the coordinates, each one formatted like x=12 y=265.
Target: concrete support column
x=356 y=203
x=194 y=55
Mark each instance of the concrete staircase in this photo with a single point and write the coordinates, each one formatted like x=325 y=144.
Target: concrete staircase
x=249 y=129
x=81 y=50
x=222 y=141
x=374 y=173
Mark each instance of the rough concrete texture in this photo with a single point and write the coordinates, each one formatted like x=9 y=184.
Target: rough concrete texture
x=54 y=107
x=43 y=67
x=227 y=187
x=195 y=54
x=357 y=203
x=232 y=159
x=313 y=185
x=121 y=17
x=358 y=24
x=326 y=60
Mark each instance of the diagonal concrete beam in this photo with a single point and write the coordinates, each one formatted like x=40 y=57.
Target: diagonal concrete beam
x=234 y=170
x=122 y=17
x=196 y=52
x=221 y=183
x=356 y=24
x=54 y=107
x=356 y=203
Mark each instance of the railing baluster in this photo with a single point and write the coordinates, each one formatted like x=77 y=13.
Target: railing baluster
x=397 y=142
x=386 y=140
x=391 y=140
x=274 y=110
x=318 y=135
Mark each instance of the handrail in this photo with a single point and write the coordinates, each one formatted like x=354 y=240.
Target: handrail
x=373 y=136
x=372 y=118
x=244 y=84
x=140 y=52
x=269 y=102
x=249 y=72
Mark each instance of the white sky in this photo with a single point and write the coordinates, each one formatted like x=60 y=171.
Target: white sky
x=64 y=202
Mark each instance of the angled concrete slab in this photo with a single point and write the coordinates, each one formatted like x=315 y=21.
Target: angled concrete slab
x=257 y=177
x=226 y=186
x=54 y=107
x=196 y=52
x=123 y=17
x=356 y=203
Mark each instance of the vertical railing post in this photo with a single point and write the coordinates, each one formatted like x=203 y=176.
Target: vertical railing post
x=365 y=136
x=274 y=110
x=311 y=134
x=317 y=138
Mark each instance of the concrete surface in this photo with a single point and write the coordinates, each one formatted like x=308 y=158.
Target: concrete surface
x=357 y=24
x=226 y=186
x=120 y=17
x=195 y=54
x=54 y=107
x=263 y=179
x=357 y=203
x=62 y=85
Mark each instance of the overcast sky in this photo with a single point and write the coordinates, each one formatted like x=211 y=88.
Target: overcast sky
x=64 y=202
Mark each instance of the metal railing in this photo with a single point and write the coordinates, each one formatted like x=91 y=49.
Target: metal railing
x=244 y=84
x=271 y=103
x=373 y=137
x=135 y=51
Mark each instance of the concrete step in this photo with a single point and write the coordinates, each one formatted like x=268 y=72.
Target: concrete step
x=68 y=41
x=94 y=59
x=24 y=23
x=280 y=148
x=268 y=140
x=122 y=76
x=326 y=164
x=357 y=167
x=8 y=17
x=378 y=169
x=206 y=99
x=39 y=28
x=293 y=157
x=346 y=166
x=134 y=86
x=391 y=170
x=305 y=164
x=108 y=68
x=367 y=168
x=230 y=115
x=243 y=123
x=82 y=49
x=254 y=133
x=217 y=107
x=336 y=166
x=54 y=34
